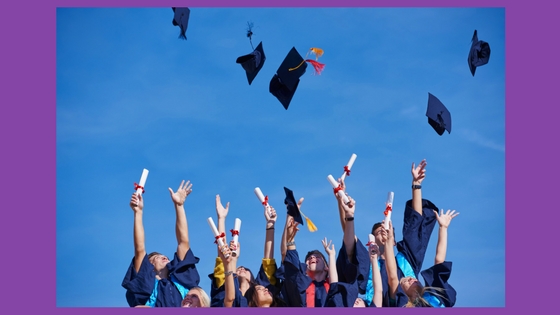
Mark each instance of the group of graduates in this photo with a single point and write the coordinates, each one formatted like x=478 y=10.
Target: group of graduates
x=360 y=275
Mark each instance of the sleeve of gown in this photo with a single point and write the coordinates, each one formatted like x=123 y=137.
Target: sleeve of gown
x=139 y=285
x=296 y=280
x=342 y=295
x=417 y=230
x=356 y=269
x=437 y=276
x=185 y=270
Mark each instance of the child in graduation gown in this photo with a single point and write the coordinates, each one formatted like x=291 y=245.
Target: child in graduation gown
x=152 y=280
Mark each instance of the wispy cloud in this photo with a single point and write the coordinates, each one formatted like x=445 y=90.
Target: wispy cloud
x=476 y=138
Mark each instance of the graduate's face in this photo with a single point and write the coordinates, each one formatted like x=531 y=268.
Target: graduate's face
x=410 y=286
x=243 y=273
x=380 y=235
x=192 y=299
x=263 y=295
x=315 y=263
x=159 y=261
x=359 y=303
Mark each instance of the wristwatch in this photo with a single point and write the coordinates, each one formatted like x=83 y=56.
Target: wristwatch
x=416 y=186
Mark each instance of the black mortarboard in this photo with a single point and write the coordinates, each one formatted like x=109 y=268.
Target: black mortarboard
x=285 y=82
x=291 y=204
x=253 y=62
x=438 y=115
x=181 y=19
x=479 y=53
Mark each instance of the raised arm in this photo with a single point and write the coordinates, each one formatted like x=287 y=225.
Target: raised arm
x=290 y=230
x=349 y=234
x=269 y=240
x=390 y=261
x=444 y=219
x=418 y=175
x=329 y=249
x=221 y=212
x=181 y=227
x=340 y=207
x=230 y=266
x=137 y=205
x=375 y=275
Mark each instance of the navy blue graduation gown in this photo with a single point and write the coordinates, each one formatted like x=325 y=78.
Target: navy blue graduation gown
x=342 y=295
x=355 y=269
x=217 y=295
x=140 y=285
x=437 y=276
x=296 y=282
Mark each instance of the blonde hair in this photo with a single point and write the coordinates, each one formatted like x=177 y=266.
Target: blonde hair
x=203 y=297
x=419 y=299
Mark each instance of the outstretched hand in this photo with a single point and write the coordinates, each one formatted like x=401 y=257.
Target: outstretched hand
x=220 y=210
x=270 y=215
x=329 y=248
x=136 y=202
x=292 y=229
x=419 y=172
x=181 y=194
x=444 y=219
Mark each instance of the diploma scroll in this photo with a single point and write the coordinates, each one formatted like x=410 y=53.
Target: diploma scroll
x=348 y=166
x=337 y=189
x=218 y=236
x=235 y=235
x=140 y=187
x=263 y=199
x=388 y=209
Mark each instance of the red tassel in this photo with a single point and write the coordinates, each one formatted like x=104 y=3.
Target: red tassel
x=316 y=65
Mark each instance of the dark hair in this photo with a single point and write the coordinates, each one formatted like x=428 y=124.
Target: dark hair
x=378 y=225
x=250 y=273
x=152 y=254
x=317 y=253
x=252 y=297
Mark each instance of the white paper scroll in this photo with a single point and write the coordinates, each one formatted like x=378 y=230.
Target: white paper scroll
x=143 y=178
x=349 y=165
x=217 y=235
x=260 y=195
x=371 y=239
x=341 y=193
x=235 y=234
x=388 y=209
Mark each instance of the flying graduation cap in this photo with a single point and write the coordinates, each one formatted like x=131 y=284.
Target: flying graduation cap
x=438 y=115
x=294 y=211
x=284 y=83
x=479 y=53
x=181 y=19
x=253 y=62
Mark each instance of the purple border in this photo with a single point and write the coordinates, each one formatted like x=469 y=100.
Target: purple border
x=29 y=67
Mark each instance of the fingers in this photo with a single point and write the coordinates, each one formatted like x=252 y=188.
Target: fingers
x=181 y=185
x=218 y=200
x=300 y=202
x=227 y=206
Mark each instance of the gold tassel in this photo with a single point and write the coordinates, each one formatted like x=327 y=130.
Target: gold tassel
x=317 y=51
x=310 y=225
x=291 y=69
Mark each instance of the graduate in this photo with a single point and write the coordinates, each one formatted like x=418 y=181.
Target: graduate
x=436 y=292
x=152 y=280
x=221 y=272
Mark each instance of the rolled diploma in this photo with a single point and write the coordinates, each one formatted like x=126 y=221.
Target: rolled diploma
x=260 y=195
x=371 y=239
x=341 y=193
x=142 y=181
x=216 y=233
x=236 y=227
x=350 y=163
x=389 y=203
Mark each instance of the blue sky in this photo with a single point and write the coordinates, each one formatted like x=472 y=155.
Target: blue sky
x=131 y=95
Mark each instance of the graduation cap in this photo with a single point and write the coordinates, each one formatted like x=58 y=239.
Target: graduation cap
x=285 y=82
x=253 y=62
x=181 y=19
x=438 y=115
x=479 y=53
x=294 y=211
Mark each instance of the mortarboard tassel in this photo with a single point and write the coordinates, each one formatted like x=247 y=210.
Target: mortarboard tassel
x=310 y=225
x=316 y=65
x=250 y=33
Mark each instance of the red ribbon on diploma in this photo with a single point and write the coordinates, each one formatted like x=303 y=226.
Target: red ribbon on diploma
x=265 y=202
x=218 y=237
x=347 y=170
x=136 y=186
x=387 y=209
x=234 y=232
